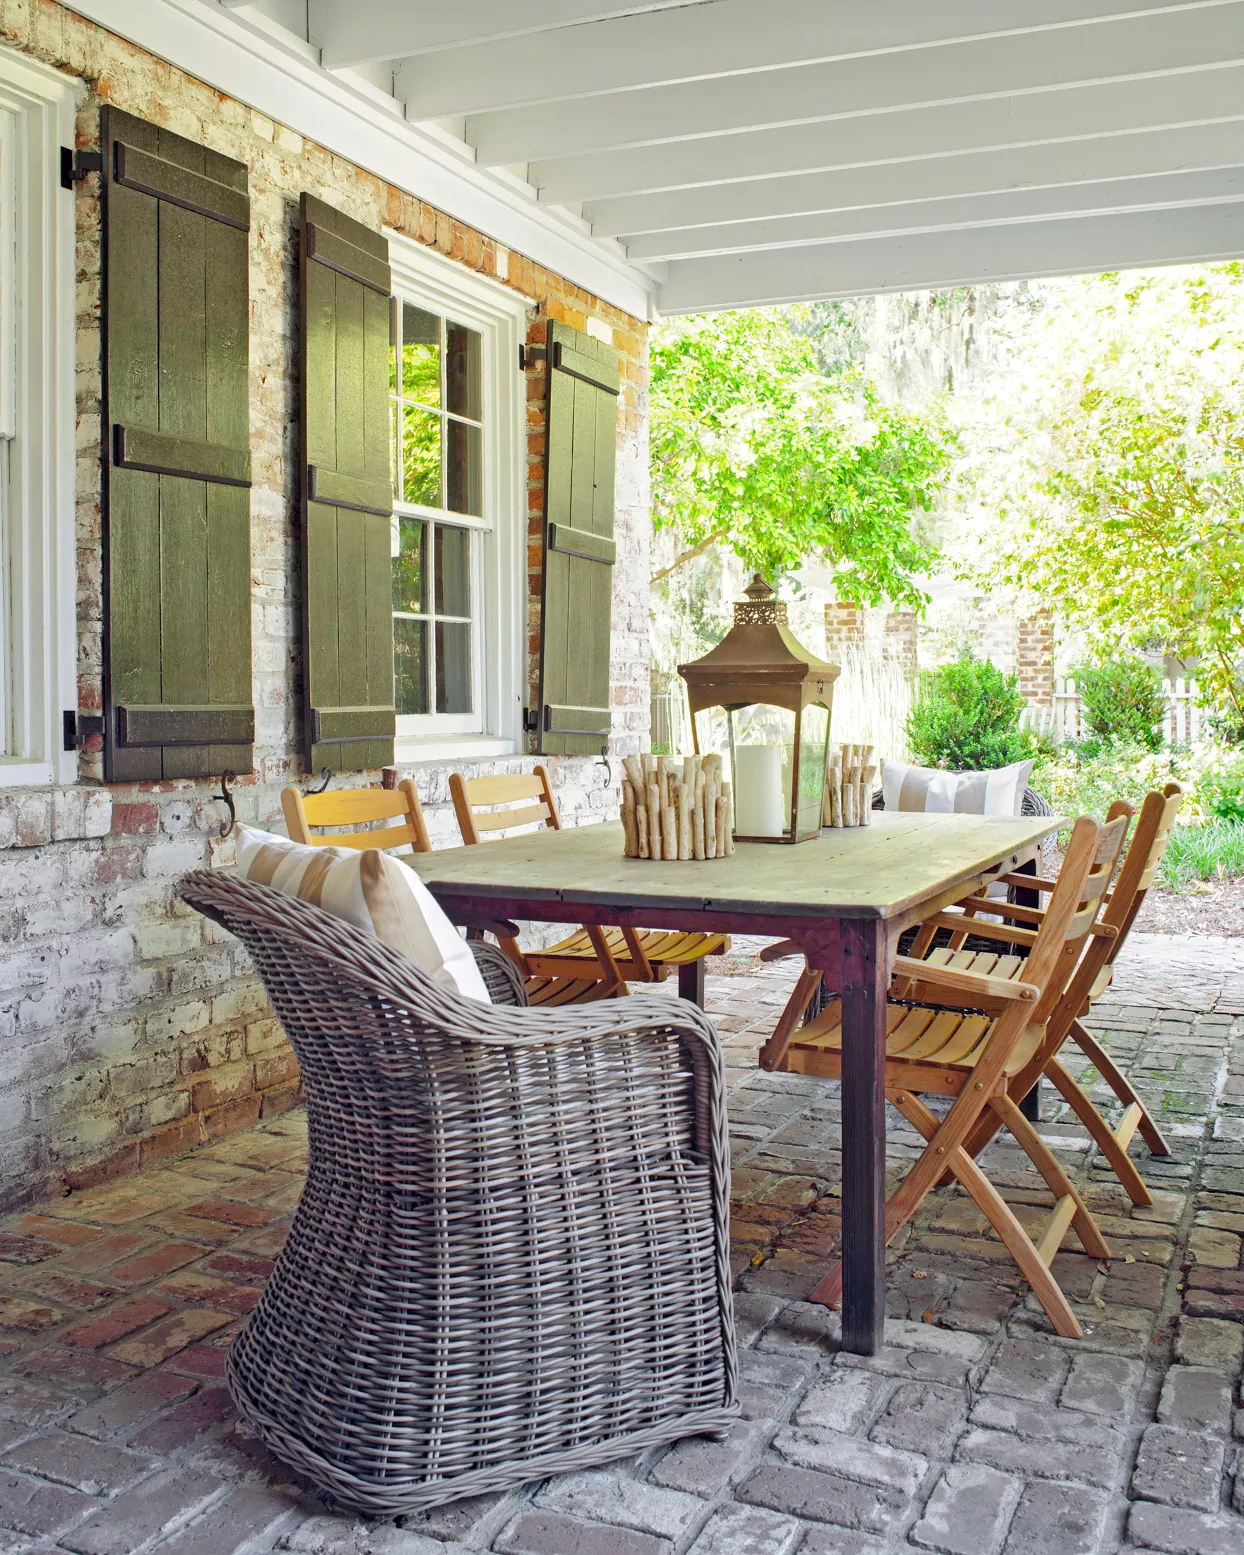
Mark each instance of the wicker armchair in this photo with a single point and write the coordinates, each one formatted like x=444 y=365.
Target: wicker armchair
x=511 y=1254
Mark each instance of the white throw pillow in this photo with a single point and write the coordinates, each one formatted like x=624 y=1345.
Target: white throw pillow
x=372 y=891
x=1000 y=792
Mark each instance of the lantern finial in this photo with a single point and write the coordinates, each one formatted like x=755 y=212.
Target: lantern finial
x=761 y=607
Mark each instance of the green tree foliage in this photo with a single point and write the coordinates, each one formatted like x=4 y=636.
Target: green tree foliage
x=1112 y=450
x=966 y=717
x=754 y=448
x=1121 y=699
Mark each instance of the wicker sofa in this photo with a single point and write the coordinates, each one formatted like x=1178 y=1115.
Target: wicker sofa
x=511 y=1254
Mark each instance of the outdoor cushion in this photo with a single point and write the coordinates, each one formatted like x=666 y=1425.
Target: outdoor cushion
x=1000 y=792
x=372 y=891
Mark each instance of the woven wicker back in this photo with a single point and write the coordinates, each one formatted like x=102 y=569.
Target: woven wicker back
x=511 y=1254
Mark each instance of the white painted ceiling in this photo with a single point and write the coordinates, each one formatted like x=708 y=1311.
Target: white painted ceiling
x=757 y=151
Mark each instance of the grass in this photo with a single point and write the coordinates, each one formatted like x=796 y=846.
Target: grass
x=1212 y=851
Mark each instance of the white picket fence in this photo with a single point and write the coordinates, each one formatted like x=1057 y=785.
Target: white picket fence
x=1181 y=722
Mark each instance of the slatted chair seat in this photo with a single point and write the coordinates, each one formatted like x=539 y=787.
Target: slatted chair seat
x=968 y=1024
x=918 y=1035
x=661 y=948
x=626 y=955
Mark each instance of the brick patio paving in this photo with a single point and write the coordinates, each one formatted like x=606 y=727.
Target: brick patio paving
x=974 y=1431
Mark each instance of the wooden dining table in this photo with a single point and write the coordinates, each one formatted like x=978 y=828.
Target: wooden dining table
x=845 y=897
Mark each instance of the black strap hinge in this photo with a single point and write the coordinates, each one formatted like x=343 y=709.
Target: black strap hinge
x=528 y=356
x=531 y=720
x=75 y=165
x=77 y=728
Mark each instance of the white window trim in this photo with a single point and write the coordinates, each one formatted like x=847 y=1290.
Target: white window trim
x=40 y=545
x=500 y=316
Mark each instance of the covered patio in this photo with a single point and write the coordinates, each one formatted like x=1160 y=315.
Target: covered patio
x=327 y=266
x=975 y=1430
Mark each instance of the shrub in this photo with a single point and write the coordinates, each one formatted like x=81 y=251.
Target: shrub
x=1122 y=701
x=1224 y=793
x=967 y=716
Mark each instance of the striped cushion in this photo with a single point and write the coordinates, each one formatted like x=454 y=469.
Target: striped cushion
x=372 y=891
x=1000 y=792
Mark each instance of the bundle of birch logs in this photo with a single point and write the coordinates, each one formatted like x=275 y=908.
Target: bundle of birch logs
x=849 y=785
x=676 y=808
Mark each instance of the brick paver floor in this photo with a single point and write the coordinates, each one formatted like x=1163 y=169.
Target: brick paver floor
x=974 y=1431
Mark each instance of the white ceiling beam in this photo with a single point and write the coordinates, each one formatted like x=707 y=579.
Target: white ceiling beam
x=1146 y=153
x=688 y=43
x=1070 y=113
x=215 y=47
x=352 y=32
x=1166 y=192
x=956 y=258
x=981 y=69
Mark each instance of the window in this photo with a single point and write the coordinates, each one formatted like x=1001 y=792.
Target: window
x=37 y=546
x=438 y=455
x=457 y=547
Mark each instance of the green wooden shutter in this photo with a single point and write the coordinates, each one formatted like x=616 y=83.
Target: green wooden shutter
x=177 y=578
x=347 y=492
x=579 y=548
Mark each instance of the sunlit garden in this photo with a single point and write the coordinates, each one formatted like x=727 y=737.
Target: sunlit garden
x=1069 y=451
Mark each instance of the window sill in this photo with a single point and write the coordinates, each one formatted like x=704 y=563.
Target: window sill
x=451 y=747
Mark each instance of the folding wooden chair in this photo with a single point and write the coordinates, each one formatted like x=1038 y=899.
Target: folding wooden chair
x=1092 y=978
x=352 y=807
x=640 y=955
x=806 y=997
x=967 y=1035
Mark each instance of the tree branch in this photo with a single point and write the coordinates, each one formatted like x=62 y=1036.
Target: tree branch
x=689 y=556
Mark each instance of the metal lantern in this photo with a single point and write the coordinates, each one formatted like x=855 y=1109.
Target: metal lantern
x=761 y=697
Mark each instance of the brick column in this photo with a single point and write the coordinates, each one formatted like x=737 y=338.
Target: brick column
x=844 y=628
x=900 y=640
x=1034 y=659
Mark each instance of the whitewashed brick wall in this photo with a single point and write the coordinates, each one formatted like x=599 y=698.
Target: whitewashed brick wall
x=132 y=1029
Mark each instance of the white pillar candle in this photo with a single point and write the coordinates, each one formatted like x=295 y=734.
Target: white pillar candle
x=758 y=809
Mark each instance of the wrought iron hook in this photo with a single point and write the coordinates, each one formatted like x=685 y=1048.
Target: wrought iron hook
x=225 y=797
x=603 y=761
x=327 y=775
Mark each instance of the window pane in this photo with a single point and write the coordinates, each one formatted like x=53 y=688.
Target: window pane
x=421 y=355
x=453 y=571
x=453 y=667
x=394 y=456
x=421 y=457
x=464 y=472
x=463 y=371
x=410 y=665
x=410 y=565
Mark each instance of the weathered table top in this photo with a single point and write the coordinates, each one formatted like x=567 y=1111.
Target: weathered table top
x=878 y=871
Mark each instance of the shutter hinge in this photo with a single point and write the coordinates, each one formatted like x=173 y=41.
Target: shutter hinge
x=531 y=720
x=528 y=356
x=75 y=165
x=77 y=728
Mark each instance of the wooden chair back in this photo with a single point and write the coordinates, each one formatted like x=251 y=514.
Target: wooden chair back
x=1144 y=858
x=358 y=807
x=1088 y=867
x=527 y=797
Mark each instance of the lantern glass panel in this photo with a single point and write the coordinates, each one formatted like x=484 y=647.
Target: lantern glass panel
x=813 y=751
x=762 y=783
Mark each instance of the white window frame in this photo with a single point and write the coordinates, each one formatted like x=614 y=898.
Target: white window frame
x=38 y=617
x=499 y=578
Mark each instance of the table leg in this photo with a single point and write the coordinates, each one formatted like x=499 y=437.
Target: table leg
x=864 y=981
x=691 y=982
